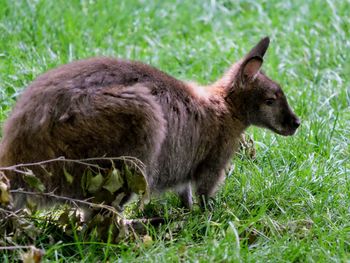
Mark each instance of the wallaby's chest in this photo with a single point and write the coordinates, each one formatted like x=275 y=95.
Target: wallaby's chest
x=188 y=141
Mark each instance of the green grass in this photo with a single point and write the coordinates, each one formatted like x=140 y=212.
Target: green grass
x=291 y=204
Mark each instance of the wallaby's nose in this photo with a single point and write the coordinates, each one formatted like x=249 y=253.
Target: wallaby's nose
x=296 y=122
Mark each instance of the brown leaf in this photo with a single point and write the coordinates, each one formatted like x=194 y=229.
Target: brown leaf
x=34 y=255
x=4 y=194
x=247 y=145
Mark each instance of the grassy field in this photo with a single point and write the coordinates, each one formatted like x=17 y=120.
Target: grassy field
x=290 y=204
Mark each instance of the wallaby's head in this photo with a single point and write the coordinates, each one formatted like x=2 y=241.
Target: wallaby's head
x=254 y=98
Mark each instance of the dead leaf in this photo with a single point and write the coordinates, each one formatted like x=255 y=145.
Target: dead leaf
x=147 y=241
x=34 y=255
x=95 y=183
x=114 y=181
x=136 y=181
x=247 y=145
x=4 y=194
x=33 y=181
x=68 y=176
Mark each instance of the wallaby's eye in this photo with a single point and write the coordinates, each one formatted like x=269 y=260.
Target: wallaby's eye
x=269 y=102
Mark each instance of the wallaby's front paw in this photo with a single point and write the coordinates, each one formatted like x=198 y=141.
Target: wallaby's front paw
x=187 y=204
x=185 y=196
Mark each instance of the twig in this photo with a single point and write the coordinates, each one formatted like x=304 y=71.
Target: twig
x=79 y=161
x=138 y=164
x=8 y=213
x=59 y=159
x=3 y=177
x=84 y=202
x=15 y=247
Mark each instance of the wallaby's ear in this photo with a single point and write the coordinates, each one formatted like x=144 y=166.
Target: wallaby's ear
x=251 y=67
x=260 y=49
x=254 y=59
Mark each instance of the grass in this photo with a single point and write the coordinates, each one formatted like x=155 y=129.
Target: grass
x=291 y=204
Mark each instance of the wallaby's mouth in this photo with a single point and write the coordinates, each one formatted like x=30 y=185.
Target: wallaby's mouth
x=290 y=128
x=288 y=131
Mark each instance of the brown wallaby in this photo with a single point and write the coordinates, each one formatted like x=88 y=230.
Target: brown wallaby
x=184 y=133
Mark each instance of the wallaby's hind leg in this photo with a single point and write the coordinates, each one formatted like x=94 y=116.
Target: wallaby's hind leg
x=108 y=122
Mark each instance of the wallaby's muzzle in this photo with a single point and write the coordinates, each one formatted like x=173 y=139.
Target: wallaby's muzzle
x=290 y=124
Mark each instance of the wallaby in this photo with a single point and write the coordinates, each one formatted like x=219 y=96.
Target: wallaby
x=184 y=133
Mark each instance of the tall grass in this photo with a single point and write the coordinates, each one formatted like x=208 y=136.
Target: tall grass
x=291 y=204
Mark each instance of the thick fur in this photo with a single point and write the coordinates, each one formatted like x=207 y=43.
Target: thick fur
x=185 y=134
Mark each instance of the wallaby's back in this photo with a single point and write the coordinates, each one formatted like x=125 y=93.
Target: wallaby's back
x=106 y=107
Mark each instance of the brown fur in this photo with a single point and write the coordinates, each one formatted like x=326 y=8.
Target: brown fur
x=184 y=134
